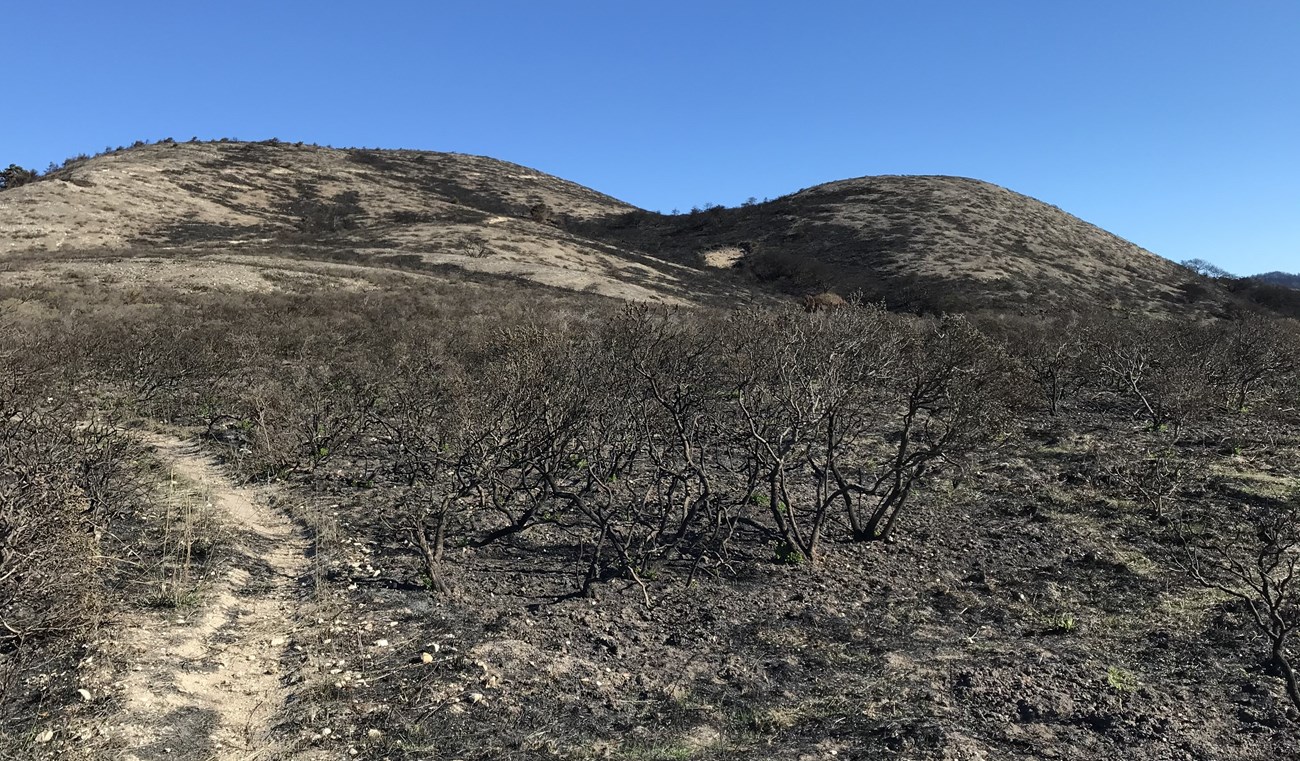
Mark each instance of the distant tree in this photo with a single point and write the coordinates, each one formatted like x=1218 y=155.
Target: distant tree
x=15 y=176
x=1202 y=267
x=1151 y=478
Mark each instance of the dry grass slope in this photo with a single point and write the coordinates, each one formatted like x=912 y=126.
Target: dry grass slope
x=226 y=210
x=210 y=206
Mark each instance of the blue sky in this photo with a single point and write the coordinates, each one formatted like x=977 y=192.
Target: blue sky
x=1174 y=123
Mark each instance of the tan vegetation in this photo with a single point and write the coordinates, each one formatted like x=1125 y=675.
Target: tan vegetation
x=922 y=244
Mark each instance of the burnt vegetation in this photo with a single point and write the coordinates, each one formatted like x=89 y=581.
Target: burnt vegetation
x=786 y=495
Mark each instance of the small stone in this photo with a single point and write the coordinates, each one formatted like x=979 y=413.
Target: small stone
x=277 y=642
x=381 y=643
x=85 y=694
x=326 y=732
x=426 y=658
x=374 y=734
x=476 y=697
x=45 y=736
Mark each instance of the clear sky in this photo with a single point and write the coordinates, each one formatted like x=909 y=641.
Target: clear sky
x=1174 y=123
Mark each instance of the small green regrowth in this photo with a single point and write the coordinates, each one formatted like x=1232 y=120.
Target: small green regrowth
x=1121 y=680
x=1061 y=623
x=787 y=555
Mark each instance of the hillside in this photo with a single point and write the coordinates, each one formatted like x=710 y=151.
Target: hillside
x=245 y=214
x=231 y=212
x=939 y=243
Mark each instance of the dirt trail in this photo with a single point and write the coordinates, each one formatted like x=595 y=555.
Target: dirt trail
x=208 y=685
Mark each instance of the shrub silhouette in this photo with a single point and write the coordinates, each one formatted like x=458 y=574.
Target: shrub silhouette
x=15 y=176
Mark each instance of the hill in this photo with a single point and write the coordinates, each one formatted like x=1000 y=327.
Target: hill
x=235 y=214
x=1288 y=279
x=237 y=210
x=928 y=243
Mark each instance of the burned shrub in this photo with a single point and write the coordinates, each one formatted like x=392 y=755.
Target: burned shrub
x=63 y=487
x=787 y=272
x=1251 y=554
x=1160 y=370
x=314 y=215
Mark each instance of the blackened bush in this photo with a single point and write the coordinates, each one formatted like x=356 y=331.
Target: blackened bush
x=63 y=485
x=314 y=215
x=1194 y=291
x=787 y=271
x=1161 y=371
x=375 y=159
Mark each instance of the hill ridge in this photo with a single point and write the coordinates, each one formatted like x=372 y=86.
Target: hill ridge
x=921 y=242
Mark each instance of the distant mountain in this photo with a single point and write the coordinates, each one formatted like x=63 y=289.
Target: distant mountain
x=232 y=212
x=1287 y=279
